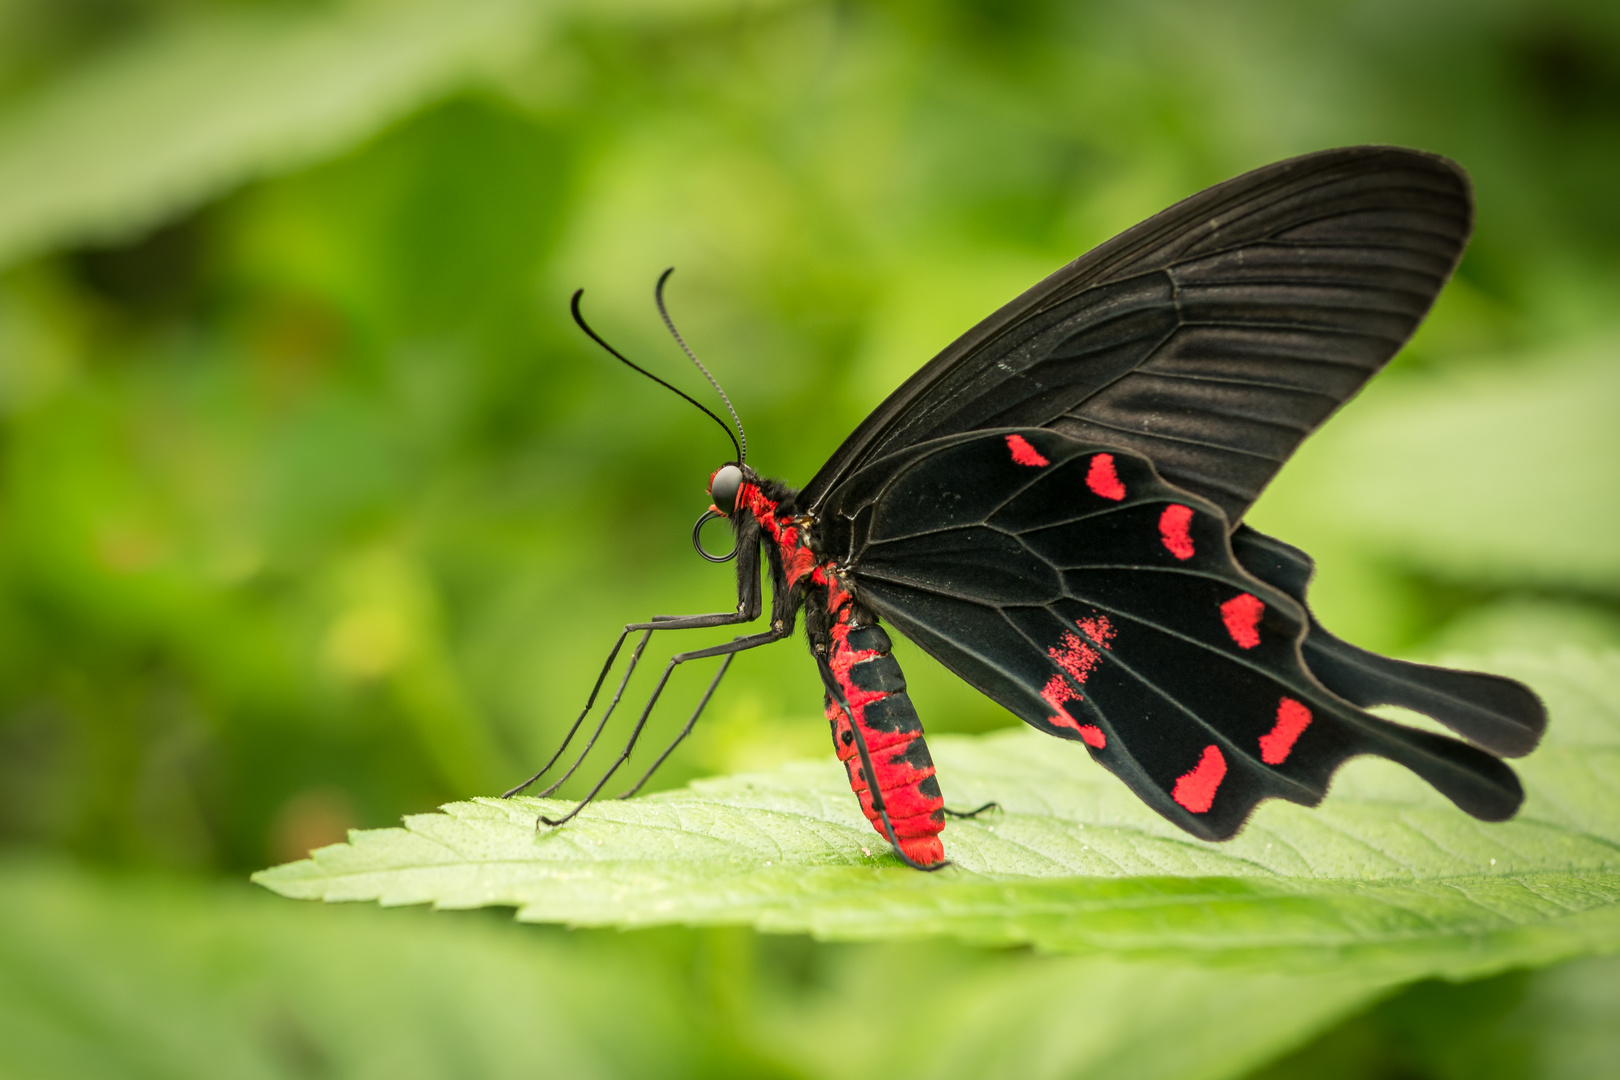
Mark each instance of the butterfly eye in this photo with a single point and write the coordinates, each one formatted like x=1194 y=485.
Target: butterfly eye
x=723 y=488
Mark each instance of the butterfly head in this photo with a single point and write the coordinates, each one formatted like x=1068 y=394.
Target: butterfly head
x=725 y=483
x=725 y=489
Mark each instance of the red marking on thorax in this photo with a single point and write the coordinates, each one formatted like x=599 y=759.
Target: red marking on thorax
x=1195 y=790
x=838 y=596
x=1173 y=530
x=1241 y=614
x=1023 y=453
x=797 y=558
x=1103 y=481
x=1292 y=720
x=1079 y=659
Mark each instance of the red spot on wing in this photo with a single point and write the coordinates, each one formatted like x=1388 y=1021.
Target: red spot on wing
x=1242 y=617
x=1173 y=530
x=1195 y=790
x=1023 y=453
x=1075 y=656
x=1079 y=659
x=1056 y=692
x=1098 y=629
x=1103 y=480
x=1292 y=720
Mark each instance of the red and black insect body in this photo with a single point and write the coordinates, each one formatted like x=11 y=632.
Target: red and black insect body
x=1053 y=508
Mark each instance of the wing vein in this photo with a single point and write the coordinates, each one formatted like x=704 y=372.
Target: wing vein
x=1176 y=438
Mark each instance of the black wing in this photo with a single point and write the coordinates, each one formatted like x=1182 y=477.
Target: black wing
x=1210 y=338
x=1499 y=714
x=1070 y=583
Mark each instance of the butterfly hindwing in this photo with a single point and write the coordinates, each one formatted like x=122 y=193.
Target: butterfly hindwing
x=1499 y=714
x=1068 y=581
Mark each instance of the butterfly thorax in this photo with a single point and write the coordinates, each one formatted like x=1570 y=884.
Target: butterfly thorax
x=771 y=504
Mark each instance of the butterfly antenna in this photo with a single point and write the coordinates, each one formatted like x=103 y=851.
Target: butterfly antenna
x=658 y=295
x=594 y=336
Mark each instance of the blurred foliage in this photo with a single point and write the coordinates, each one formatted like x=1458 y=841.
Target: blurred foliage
x=260 y=88
x=1555 y=1024
x=189 y=981
x=133 y=976
x=315 y=510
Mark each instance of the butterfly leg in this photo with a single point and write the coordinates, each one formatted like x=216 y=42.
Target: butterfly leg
x=685 y=731
x=659 y=622
x=748 y=608
x=737 y=645
x=966 y=814
x=589 y=702
x=749 y=605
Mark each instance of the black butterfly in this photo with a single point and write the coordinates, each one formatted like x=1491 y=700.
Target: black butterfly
x=1053 y=506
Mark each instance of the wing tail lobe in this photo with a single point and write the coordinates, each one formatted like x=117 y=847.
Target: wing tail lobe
x=1497 y=714
x=1478 y=783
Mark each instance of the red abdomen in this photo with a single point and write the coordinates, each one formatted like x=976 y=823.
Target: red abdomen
x=876 y=690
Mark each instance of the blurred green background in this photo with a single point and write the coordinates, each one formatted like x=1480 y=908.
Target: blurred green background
x=315 y=509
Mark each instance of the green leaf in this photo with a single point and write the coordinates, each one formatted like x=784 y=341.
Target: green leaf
x=168 y=121
x=1385 y=873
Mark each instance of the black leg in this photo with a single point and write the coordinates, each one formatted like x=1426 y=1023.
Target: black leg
x=972 y=813
x=590 y=701
x=737 y=645
x=590 y=744
x=837 y=692
x=695 y=622
x=658 y=622
x=685 y=731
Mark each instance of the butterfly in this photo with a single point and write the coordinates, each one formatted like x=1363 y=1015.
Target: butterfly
x=1053 y=509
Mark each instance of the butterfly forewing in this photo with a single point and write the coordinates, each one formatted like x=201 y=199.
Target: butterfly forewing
x=1211 y=338
x=1071 y=583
